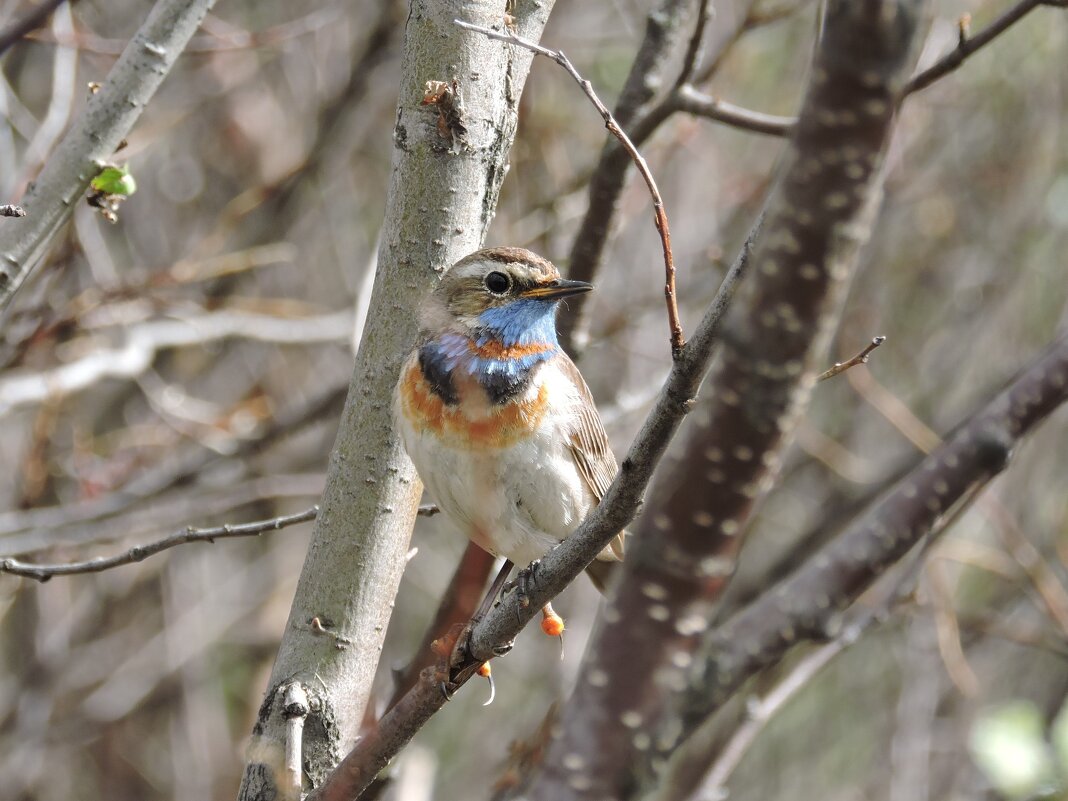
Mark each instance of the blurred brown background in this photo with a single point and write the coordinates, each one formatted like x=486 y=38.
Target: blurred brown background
x=262 y=168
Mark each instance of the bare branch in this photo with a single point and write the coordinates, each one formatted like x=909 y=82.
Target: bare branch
x=807 y=604
x=660 y=214
x=139 y=553
x=968 y=46
x=860 y=358
x=109 y=115
x=693 y=49
x=144 y=341
x=688 y=99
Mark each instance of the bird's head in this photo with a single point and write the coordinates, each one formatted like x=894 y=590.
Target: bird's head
x=506 y=295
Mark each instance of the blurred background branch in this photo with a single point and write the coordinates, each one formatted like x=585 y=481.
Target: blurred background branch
x=27 y=24
x=110 y=113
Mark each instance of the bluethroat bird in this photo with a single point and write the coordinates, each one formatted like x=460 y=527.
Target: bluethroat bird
x=496 y=417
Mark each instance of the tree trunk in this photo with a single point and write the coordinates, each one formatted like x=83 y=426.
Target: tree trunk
x=450 y=158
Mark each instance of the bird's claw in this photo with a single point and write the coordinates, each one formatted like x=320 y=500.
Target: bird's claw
x=502 y=650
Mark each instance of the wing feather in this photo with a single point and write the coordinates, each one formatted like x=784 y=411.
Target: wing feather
x=591 y=450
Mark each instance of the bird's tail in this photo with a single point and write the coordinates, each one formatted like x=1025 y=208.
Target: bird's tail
x=601 y=573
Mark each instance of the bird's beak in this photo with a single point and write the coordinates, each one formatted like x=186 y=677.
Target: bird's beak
x=560 y=288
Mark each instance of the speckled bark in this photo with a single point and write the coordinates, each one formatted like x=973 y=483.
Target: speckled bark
x=443 y=193
x=808 y=604
x=618 y=725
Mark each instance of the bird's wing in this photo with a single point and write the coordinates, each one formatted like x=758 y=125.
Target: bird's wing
x=590 y=448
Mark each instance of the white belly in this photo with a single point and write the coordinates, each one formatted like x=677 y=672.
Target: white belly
x=516 y=501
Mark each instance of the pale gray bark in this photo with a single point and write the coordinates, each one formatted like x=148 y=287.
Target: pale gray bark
x=442 y=197
x=109 y=115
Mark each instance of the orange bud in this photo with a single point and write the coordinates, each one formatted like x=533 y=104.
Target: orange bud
x=551 y=623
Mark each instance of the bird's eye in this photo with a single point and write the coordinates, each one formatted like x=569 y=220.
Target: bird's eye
x=498 y=283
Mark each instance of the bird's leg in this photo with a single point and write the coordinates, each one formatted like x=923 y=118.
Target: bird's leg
x=523 y=580
x=496 y=588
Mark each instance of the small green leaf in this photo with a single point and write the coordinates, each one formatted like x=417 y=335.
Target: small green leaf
x=115 y=181
x=1008 y=746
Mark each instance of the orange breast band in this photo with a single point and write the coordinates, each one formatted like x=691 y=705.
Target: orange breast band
x=502 y=427
x=496 y=350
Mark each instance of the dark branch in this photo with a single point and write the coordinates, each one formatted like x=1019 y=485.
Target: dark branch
x=682 y=553
x=141 y=552
x=693 y=49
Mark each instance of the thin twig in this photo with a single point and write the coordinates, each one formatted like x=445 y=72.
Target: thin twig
x=693 y=49
x=760 y=711
x=660 y=215
x=753 y=20
x=686 y=98
x=967 y=46
x=640 y=117
x=860 y=358
x=140 y=552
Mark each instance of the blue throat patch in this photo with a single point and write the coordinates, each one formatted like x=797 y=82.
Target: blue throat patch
x=521 y=322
